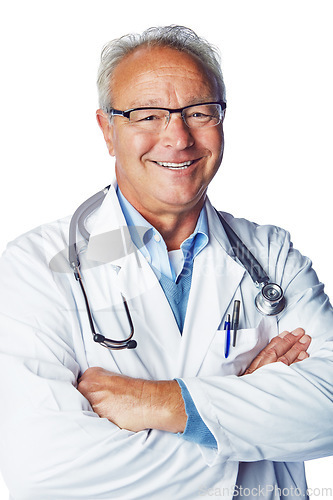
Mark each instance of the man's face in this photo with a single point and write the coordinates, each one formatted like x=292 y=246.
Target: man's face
x=171 y=79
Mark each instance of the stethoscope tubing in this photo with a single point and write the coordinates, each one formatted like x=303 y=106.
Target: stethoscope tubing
x=264 y=304
x=248 y=260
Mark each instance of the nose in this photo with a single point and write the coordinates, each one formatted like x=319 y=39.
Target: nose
x=176 y=133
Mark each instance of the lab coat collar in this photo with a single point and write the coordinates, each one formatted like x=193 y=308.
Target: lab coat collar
x=217 y=230
x=110 y=240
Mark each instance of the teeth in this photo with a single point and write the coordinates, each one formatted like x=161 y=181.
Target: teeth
x=183 y=165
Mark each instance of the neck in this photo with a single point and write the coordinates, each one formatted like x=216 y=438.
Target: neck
x=175 y=228
x=175 y=222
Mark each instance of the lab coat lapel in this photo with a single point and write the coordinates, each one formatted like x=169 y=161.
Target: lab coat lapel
x=152 y=316
x=216 y=276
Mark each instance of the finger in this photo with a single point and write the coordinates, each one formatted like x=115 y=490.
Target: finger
x=281 y=344
x=295 y=351
x=286 y=338
x=277 y=347
x=297 y=332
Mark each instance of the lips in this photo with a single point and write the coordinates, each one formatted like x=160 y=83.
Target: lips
x=175 y=166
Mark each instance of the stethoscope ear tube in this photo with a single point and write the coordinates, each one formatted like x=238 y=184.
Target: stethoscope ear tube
x=82 y=211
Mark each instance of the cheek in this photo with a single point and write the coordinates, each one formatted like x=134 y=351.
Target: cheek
x=215 y=144
x=213 y=141
x=133 y=146
x=143 y=144
x=216 y=141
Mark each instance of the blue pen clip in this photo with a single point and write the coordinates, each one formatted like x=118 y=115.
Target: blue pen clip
x=227 y=325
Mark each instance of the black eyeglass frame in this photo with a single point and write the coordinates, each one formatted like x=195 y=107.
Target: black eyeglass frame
x=127 y=112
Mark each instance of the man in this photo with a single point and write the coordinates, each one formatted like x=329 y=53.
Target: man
x=178 y=416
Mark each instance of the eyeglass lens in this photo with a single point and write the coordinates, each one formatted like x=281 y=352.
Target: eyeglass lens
x=197 y=116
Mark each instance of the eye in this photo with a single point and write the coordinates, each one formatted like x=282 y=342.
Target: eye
x=146 y=115
x=197 y=114
x=203 y=115
x=150 y=118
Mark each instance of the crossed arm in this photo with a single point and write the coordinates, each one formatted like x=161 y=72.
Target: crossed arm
x=137 y=404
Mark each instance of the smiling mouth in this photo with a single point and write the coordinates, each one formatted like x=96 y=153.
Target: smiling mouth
x=175 y=166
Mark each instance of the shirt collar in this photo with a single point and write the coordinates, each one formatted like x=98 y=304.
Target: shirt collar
x=198 y=239
x=145 y=237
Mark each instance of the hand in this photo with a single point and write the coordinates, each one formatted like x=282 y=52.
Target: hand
x=288 y=347
x=132 y=403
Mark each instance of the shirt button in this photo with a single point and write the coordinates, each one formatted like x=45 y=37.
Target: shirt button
x=157 y=237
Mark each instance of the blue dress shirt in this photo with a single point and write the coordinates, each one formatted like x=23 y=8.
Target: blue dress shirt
x=152 y=246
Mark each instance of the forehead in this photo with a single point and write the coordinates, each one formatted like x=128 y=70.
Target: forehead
x=155 y=75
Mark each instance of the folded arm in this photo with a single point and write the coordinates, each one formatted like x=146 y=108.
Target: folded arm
x=52 y=444
x=136 y=404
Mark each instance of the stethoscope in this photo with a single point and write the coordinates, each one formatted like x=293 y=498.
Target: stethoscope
x=270 y=300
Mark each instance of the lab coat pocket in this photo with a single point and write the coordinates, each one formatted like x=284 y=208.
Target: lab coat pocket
x=249 y=343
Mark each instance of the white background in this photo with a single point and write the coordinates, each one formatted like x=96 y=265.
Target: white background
x=277 y=168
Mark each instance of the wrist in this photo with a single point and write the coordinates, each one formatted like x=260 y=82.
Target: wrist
x=164 y=408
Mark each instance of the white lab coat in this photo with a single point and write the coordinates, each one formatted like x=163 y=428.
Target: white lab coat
x=53 y=446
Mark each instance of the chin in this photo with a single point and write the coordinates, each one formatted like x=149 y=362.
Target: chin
x=181 y=202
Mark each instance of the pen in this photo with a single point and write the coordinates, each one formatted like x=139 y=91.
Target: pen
x=235 y=320
x=227 y=336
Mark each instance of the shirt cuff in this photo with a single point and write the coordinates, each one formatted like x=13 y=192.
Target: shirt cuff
x=196 y=429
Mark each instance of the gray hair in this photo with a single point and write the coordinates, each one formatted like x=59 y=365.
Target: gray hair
x=176 y=37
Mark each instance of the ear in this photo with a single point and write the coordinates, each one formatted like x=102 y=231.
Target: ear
x=106 y=127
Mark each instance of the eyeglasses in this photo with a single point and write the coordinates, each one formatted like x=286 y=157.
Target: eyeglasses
x=204 y=115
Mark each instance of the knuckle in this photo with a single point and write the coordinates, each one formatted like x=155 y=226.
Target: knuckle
x=289 y=340
x=92 y=370
x=270 y=354
x=82 y=387
x=283 y=334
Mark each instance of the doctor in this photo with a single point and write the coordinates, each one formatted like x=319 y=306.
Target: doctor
x=175 y=417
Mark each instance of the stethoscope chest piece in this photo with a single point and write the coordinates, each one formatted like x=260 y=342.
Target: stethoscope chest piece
x=270 y=300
